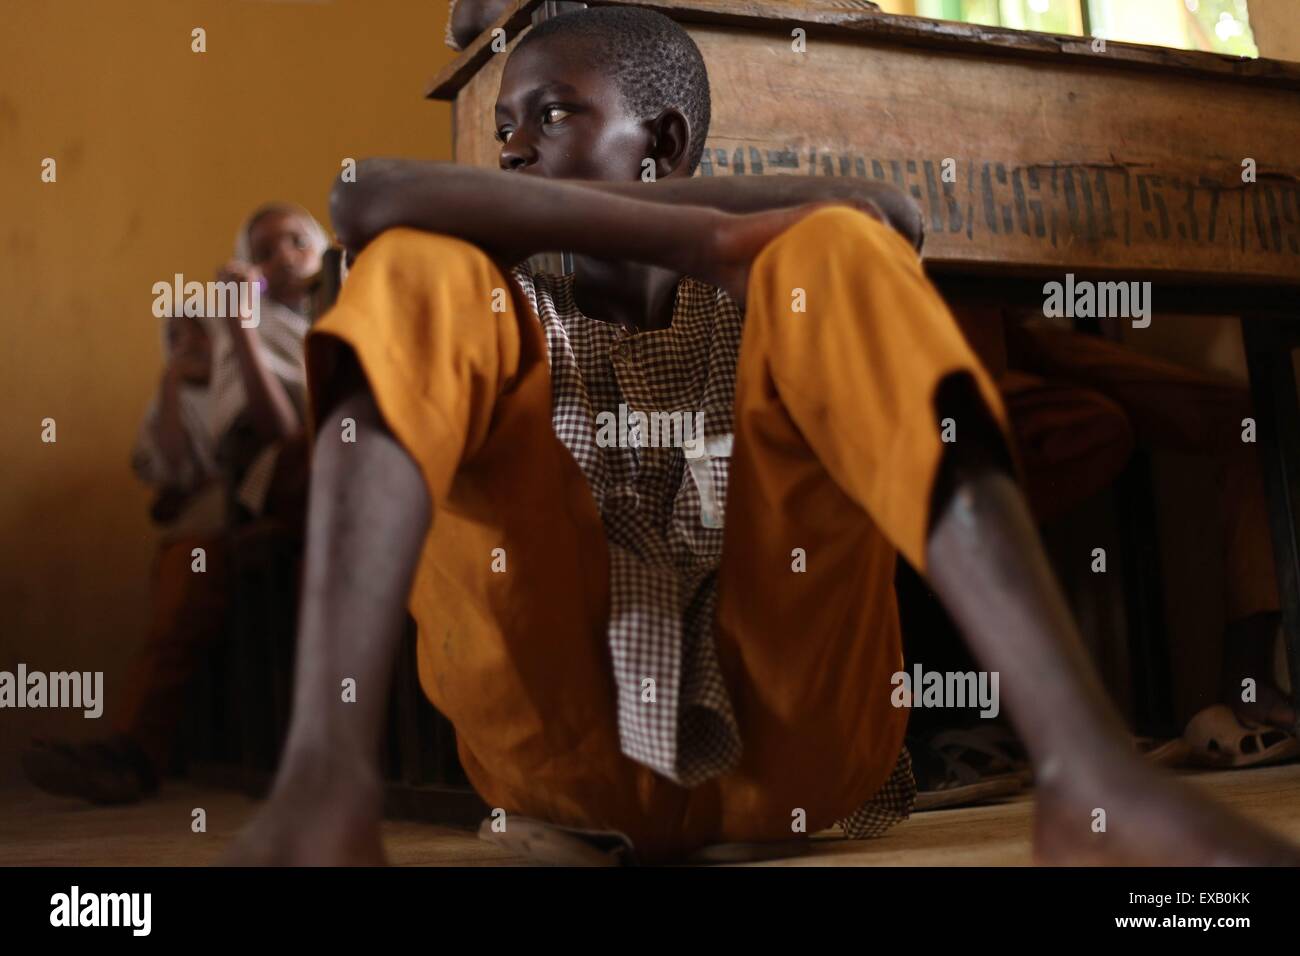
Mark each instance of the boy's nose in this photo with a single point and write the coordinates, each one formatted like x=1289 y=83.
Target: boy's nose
x=284 y=252
x=517 y=153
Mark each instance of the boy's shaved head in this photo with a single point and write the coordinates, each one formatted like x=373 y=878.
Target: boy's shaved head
x=653 y=62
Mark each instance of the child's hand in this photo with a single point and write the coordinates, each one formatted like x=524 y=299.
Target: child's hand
x=728 y=250
x=236 y=270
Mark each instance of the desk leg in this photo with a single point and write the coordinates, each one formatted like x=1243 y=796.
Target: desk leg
x=1151 y=669
x=1277 y=415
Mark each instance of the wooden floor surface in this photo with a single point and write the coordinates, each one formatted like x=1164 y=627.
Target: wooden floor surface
x=38 y=830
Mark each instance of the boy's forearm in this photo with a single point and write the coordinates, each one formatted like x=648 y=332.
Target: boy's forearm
x=742 y=194
x=270 y=408
x=513 y=216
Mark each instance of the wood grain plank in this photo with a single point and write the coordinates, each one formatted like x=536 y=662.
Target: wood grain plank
x=845 y=18
x=462 y=69
x=1020 y=166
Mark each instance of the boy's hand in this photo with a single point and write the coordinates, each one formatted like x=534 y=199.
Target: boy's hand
x=236 y=270
x=726 y=252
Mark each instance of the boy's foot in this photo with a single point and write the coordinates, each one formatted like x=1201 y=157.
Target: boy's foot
x=1126 y=814
x=324 y=821
x=105 y=772
x=1249 y=651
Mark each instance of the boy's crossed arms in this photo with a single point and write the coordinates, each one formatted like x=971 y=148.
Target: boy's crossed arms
x=707 y=228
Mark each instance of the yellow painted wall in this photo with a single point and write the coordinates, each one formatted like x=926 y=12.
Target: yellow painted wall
x=160 y=151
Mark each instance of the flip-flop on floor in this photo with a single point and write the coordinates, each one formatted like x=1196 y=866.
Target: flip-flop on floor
x=1219 y=739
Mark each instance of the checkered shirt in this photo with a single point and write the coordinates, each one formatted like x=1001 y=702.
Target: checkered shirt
x=661 y=489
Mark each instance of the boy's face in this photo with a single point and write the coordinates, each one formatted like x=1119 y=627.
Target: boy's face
x=191 y=349
x=560 y=118
x=288 y=251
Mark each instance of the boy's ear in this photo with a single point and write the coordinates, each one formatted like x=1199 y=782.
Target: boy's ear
x=670 y=138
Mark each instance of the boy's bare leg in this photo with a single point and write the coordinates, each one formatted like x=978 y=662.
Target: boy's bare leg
x=368 y=515
x=984 y=559
x=987 y=565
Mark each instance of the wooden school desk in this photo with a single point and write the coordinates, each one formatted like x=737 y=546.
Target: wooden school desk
x=1033 y=157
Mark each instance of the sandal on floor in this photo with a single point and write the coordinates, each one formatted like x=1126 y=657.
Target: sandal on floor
x=107 y=772
x=988 y=747
x=554 y=845
x=944 y=781
x=1219 y=739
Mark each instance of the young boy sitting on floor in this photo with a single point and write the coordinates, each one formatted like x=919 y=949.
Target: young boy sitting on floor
x=223 y=442
x=614 y=655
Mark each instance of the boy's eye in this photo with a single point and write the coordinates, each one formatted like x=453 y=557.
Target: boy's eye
x=553 y=114
x=503 y=134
